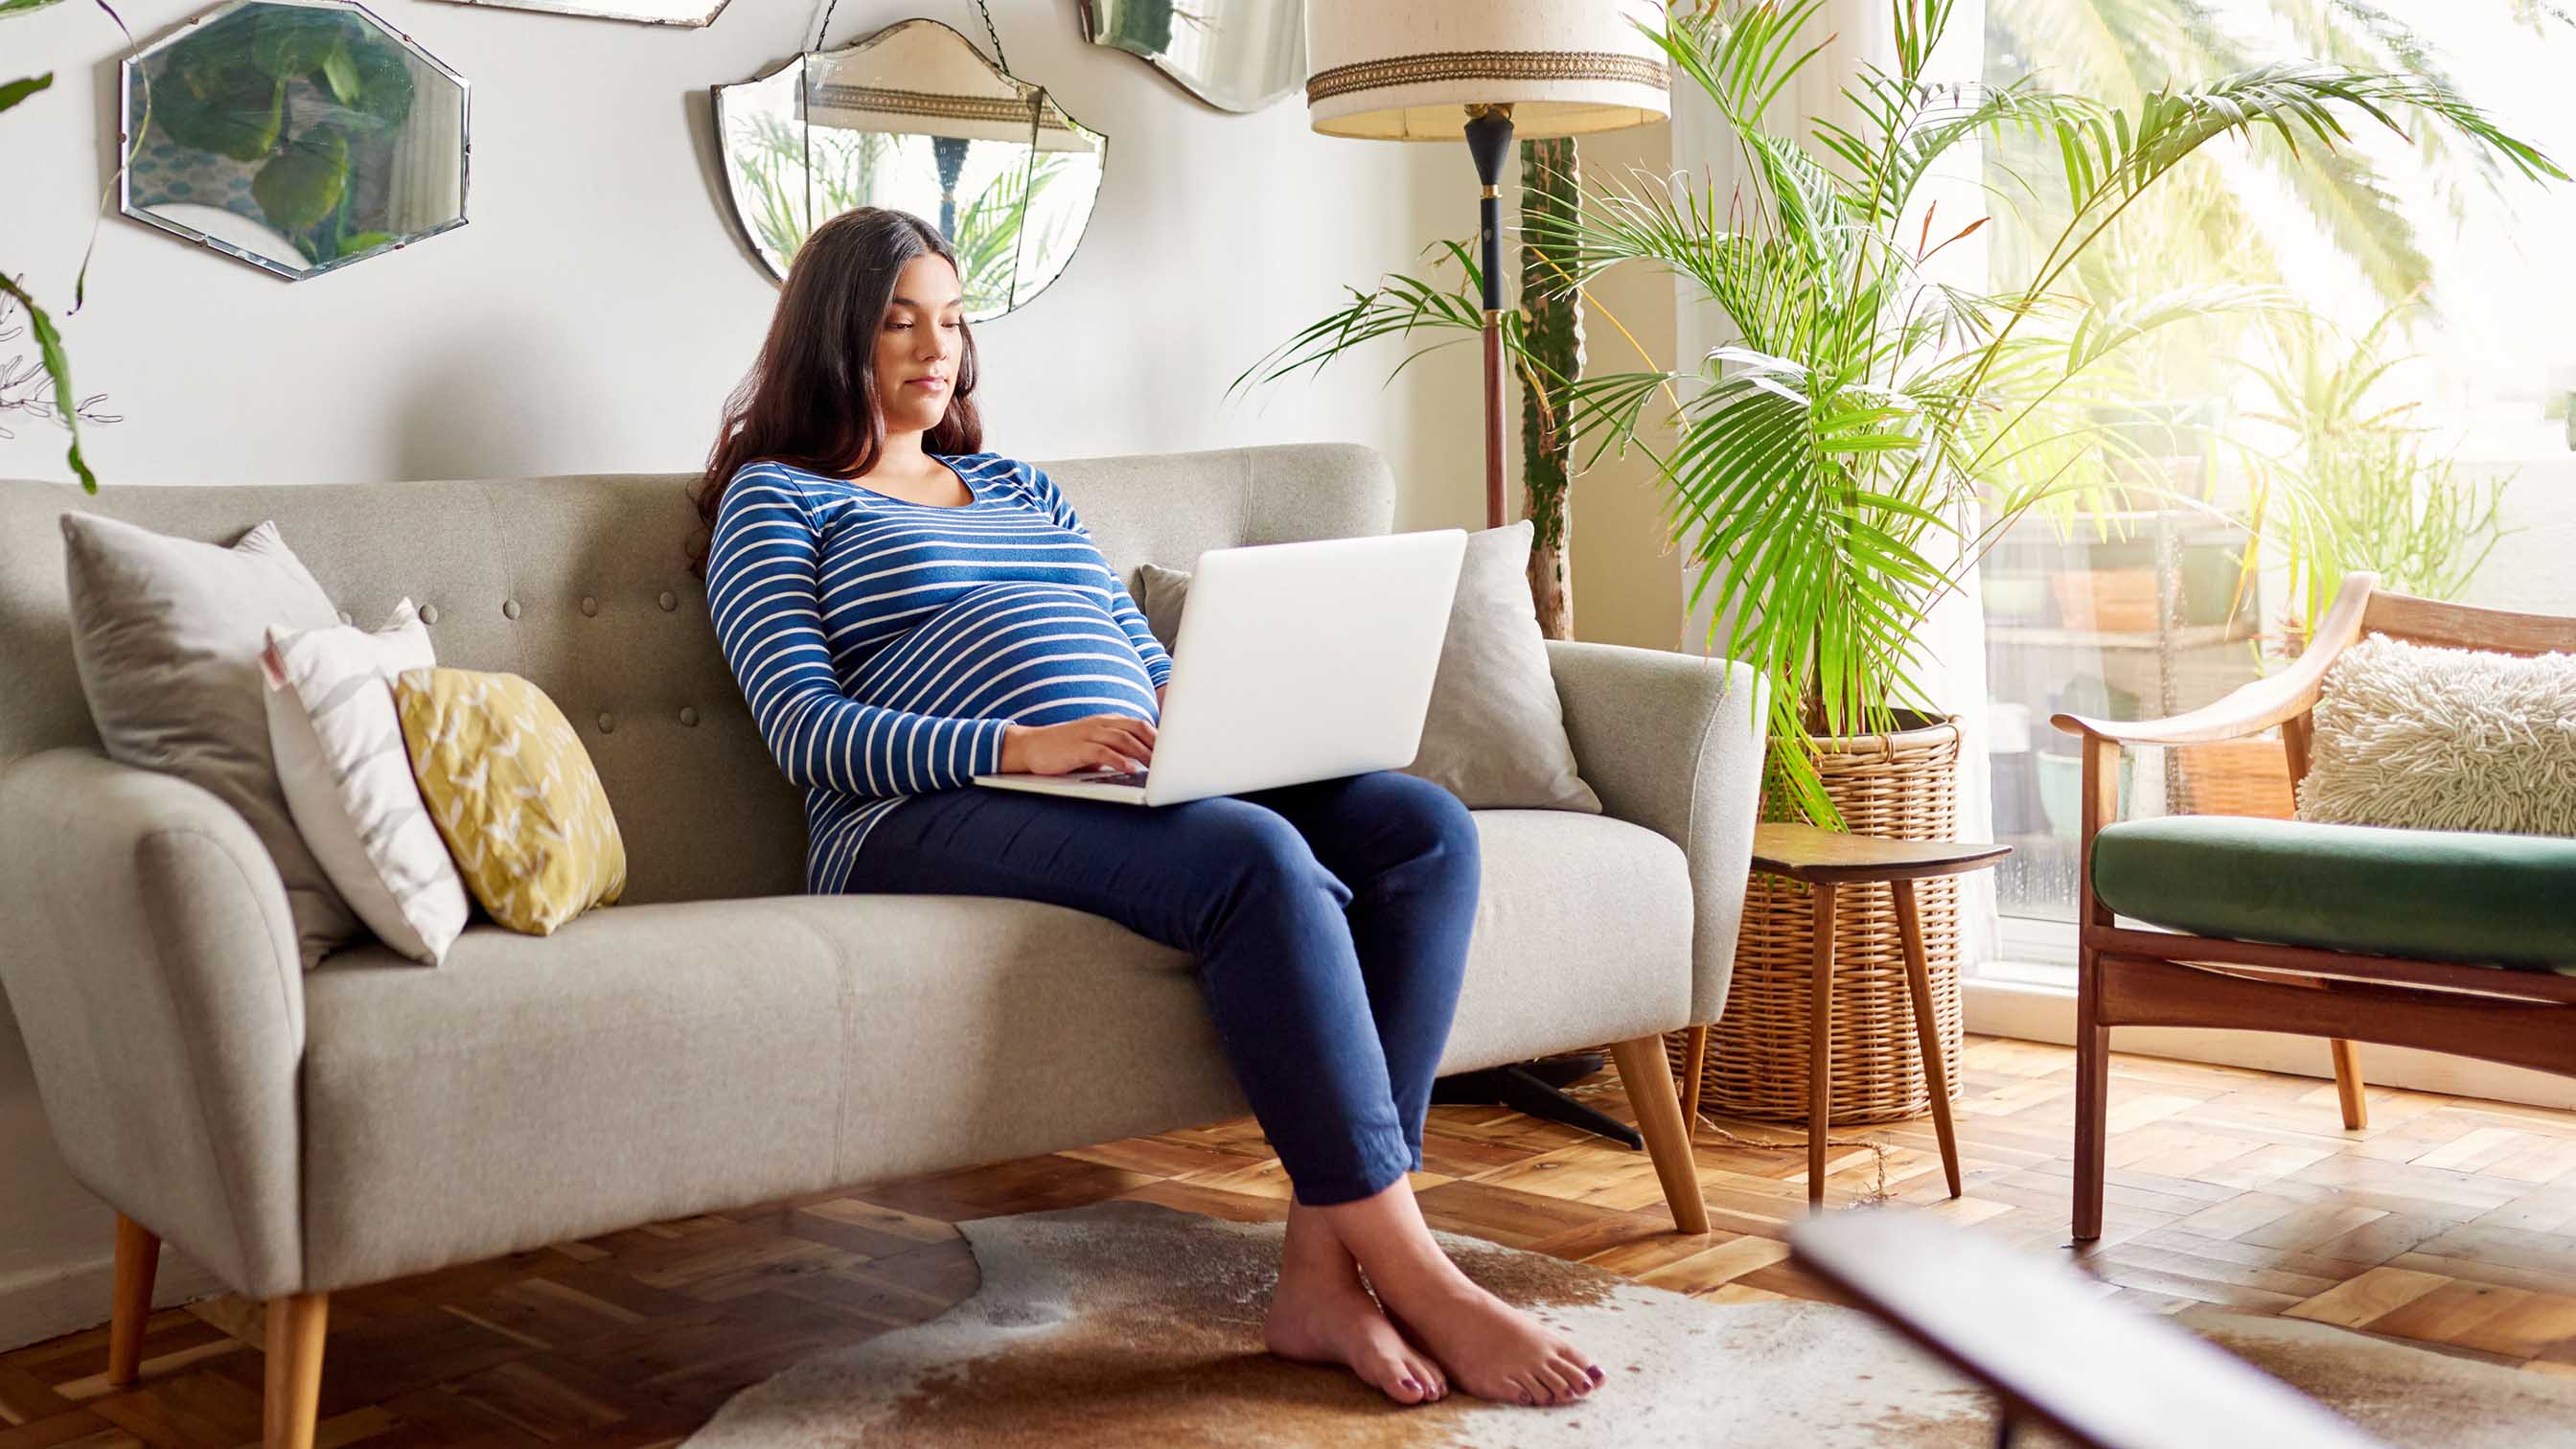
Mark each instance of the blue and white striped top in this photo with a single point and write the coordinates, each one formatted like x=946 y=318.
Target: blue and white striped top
x=885 y=646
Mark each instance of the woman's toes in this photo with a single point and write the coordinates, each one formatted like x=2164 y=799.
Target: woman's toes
x=1549 y=1378
x=1575 y=1373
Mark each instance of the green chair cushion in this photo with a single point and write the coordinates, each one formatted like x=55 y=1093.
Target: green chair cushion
x=2443 y=895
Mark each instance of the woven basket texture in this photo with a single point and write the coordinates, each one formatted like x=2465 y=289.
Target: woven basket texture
x=1901 y=786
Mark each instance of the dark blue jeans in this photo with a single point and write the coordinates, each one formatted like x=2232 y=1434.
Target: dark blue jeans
x=1330 y=921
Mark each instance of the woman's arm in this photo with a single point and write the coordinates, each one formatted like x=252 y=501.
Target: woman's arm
x=762 y=588
x=1122 y=605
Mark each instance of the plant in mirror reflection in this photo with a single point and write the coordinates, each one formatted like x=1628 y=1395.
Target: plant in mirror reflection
x=993 y=231
x=316 y=98
x=790 y=189
x=795 y=174
x=1874 y=429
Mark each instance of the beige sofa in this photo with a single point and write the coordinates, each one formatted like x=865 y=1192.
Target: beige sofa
x=717 y=1039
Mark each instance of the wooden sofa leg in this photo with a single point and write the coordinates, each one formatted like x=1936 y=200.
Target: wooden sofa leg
x=2347 y=1063
x=2092 y=1099
x=296 y=1323
x=1648 y=1079
x=138 y=1259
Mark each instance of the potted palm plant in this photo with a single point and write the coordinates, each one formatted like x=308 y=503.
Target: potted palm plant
x=1839 y=467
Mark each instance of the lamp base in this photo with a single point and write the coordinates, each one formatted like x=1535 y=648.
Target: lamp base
x=1532 y=1088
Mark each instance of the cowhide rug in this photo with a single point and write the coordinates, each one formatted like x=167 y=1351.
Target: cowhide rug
x=1128 y=1323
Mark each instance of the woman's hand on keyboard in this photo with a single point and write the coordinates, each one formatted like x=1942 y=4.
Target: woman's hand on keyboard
x=1096 y=742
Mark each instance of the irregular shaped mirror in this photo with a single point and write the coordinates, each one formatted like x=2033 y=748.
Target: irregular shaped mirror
x=297 y=135
x=651 y=12
x=913 y=117
x=1236 y=54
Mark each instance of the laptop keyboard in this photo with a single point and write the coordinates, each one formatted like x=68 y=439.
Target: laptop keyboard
x=1121 y=777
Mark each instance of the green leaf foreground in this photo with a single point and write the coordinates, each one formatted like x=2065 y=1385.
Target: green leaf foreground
x=1872 y=432
x=49 y=341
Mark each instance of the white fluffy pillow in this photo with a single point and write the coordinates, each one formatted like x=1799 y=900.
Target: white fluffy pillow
x=2412 y=736
x=348 y=780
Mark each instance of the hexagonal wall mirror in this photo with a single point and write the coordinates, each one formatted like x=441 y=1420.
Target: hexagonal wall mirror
x=297 y=135
x=915 y=118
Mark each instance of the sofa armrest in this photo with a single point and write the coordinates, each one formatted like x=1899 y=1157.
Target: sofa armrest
x=152 y=967
x=1673 y=741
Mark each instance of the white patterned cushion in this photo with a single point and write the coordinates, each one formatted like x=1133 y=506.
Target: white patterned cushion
x=2417 y=737
x=348 y=779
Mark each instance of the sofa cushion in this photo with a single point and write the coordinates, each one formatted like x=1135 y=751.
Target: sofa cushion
x=167 y=634
x=660 y=1060
x=513 y=793
x=348 y=780
x=2446 y=895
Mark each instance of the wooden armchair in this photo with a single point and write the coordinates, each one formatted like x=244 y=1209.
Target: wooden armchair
x=2340 y=931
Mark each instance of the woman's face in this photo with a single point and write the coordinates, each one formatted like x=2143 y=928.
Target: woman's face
x=919 y=345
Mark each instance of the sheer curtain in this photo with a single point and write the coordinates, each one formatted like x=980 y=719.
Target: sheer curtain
x=1951 y=654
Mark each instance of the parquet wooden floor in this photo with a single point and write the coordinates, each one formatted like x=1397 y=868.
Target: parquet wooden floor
x=2448 y=1221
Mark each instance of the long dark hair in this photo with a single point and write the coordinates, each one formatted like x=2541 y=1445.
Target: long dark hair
x=811 y=400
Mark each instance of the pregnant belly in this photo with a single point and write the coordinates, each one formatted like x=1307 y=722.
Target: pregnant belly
x=1036 y=653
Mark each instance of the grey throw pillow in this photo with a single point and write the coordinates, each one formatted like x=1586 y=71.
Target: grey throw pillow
x=167 y=633
x=1495 y=734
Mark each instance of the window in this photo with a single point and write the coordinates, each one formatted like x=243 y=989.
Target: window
x=2443 y=285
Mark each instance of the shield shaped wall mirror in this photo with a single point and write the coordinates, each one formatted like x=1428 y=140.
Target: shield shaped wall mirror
x=1238 y=55
x=297 y=135
x=915 y=118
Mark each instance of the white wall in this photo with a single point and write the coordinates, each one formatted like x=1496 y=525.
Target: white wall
x=2528 y=571
x=597 y=308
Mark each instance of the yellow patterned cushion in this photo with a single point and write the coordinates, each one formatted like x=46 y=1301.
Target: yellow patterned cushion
x=514 y=794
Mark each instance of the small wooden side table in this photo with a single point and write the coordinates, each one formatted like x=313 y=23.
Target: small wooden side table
x=1827 y=860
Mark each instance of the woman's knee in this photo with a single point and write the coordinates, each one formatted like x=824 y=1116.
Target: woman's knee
x=1447 y=827
x=1254 y=849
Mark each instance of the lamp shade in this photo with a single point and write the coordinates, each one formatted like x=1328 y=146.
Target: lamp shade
x=1408 y=72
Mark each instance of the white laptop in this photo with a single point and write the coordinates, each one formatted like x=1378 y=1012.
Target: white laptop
x=1295 y=662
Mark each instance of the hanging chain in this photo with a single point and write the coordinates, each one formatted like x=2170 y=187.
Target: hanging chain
x=996 y=36
x=990 y=33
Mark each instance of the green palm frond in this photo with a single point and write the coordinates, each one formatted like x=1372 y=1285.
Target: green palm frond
x=1825 y=464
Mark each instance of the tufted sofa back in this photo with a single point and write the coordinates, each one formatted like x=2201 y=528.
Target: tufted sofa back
x=582 y=585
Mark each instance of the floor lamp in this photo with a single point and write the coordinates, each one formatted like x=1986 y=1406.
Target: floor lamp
x=1486 y=70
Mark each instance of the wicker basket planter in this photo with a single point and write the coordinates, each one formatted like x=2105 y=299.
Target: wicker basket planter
x=1902 y=786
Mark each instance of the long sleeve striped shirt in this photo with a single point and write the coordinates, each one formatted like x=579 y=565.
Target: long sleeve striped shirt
x=885 y=646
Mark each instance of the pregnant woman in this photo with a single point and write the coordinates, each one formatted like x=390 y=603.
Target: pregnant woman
x=904 y=611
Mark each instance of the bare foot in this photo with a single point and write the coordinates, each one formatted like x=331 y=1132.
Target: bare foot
x=1345 y=1327
x=1491 y=1349
x=1321 y=1312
